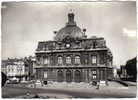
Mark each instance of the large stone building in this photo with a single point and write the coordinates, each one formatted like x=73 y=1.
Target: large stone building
x=72 y=57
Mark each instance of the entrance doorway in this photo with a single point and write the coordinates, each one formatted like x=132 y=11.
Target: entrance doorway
x=77 y=76
x=102 y=75
x=60 y=76
x=68 y=76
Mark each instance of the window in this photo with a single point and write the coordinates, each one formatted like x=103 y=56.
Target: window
x=38 y=61
x=46 y=60
x=45 y=74
x=68 y=60
x=86 y=58
x=9 y=70
x=12 y=70
x=94 y=59
x=68 y=76
x=94 y=76
x=60 y=76
x=60 y=60
x=102 y=58
x=77 y=75
x=102 y=75
x=77 y=60
x=18 y=69
x=41 y=60
x=93 y=72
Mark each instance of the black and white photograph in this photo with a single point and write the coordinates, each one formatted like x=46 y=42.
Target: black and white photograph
x=68 y=50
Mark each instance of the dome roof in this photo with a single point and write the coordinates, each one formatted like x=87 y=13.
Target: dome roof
x=71 y=30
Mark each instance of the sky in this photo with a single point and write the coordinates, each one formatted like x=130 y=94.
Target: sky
x=26 y=23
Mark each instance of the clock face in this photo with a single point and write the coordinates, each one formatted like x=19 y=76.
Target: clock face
x=67 y=45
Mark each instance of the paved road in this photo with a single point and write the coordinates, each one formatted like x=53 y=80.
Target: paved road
x=11 y=91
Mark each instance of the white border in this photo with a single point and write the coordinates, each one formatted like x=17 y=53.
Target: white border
x=67 y=1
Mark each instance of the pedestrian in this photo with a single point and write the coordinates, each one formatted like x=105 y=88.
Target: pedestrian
x=98 y=85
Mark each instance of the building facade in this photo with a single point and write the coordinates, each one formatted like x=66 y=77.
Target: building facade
x=72 y=57
x=16 y=69
x=4 y=66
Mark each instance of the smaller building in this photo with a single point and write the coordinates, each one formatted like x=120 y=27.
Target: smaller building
x=16 y=69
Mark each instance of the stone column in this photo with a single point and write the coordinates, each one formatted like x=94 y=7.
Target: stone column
x=64 y=73
x=106 y=76
x=98 y=74
x=82 y=75
x=86 y=75
x=73 y=75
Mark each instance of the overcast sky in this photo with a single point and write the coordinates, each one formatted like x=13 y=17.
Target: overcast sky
x=26 y=23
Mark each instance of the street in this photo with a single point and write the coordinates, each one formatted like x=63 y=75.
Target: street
x=16 y=91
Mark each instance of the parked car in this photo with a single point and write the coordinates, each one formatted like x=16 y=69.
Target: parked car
x=24 y=81
x=38 y=82
x=12 y=82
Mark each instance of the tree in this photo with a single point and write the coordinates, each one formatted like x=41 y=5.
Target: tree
x=3 y=79
x=29 y=65
x=131 y=68
x=119 y=72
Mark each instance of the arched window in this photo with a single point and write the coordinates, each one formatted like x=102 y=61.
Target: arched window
x=41 y=60
x=77 y=59
x=60 y=60
x=68 y=76
x=60 y=76
x=45 y=74
x=77 y=76
x=46 y=60
x=94 y=59
x=68 y=60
